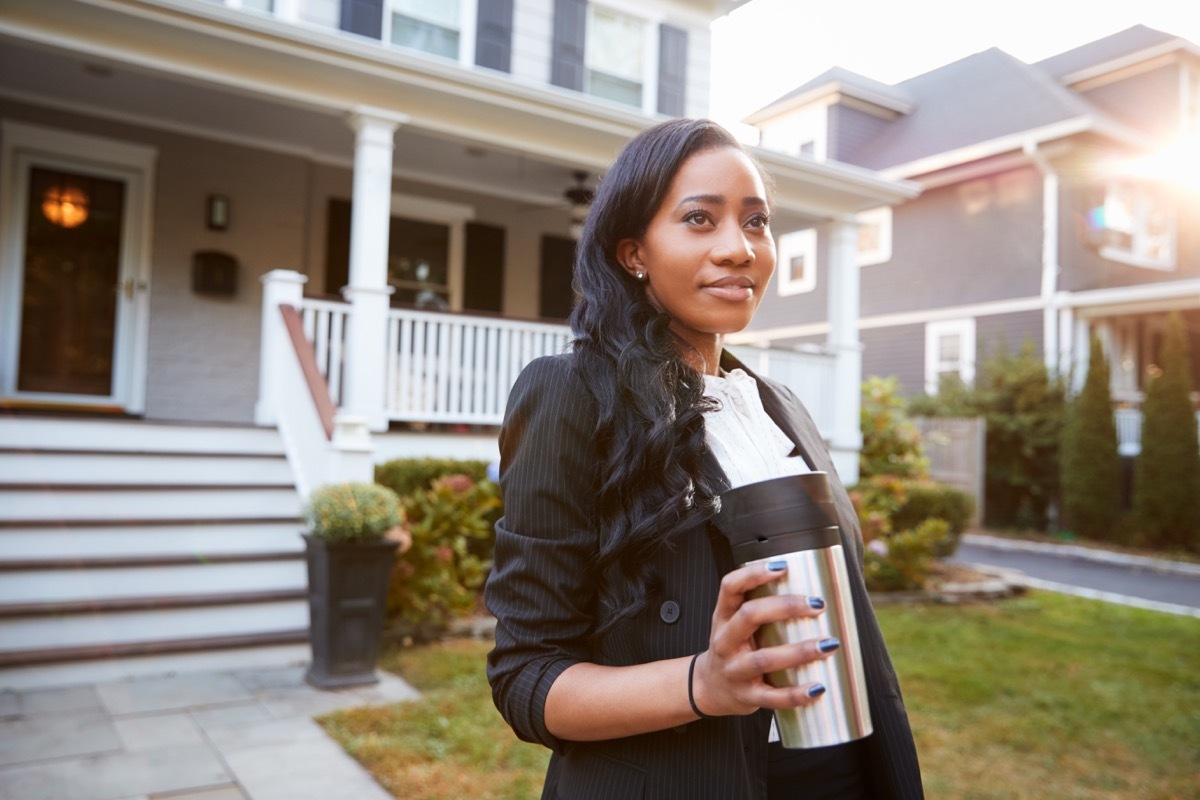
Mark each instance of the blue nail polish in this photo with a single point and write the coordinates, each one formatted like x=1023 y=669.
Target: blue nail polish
x=816 y=690
x=777 y=566
x=816 y=602
x=829 y=645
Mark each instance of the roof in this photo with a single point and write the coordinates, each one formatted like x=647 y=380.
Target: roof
x=838 y=81
x=1102 y=51
x=982 y=97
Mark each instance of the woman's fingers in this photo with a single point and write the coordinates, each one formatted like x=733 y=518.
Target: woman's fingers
x=753 y=663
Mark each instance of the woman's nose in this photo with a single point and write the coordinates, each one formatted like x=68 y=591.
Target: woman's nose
x=733 y=248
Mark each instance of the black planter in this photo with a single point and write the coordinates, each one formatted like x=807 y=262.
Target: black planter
x=347 y=596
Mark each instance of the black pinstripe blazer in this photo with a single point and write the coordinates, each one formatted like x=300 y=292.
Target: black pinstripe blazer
x=544 y=610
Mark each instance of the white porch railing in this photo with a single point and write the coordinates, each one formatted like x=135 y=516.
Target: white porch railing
x=1129 y=430
x=458 y=368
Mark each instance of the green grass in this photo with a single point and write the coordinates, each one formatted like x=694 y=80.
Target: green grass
x=1044 y=696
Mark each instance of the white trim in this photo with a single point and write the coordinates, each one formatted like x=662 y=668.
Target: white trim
x=1097 y=302
x=1095 y=71
x=1004 y=144
x=922 y=316
x=23 y=145
x=882 y=217
x=965 y=329
x=453 y=215
x=797 y=244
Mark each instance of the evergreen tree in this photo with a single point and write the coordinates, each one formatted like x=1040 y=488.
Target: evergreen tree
x=1090 y=476
x=1167 y=473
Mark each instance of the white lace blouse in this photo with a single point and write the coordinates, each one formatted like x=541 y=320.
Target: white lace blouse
x=747 y=443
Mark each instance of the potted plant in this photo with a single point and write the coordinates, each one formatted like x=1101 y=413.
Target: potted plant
x=354 y=531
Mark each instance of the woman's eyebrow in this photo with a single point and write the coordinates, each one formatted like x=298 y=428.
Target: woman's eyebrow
x=719 y=200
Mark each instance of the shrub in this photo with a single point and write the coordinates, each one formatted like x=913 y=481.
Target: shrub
x=407 y=475
x=887 y=504
x=440 y=576
x=352 y=512
x=1090 y=463
x=891 y=442
x=1166 y=489
x=902 y=561
x=1023 y=405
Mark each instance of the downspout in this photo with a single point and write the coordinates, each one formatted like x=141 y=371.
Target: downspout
x=1050 y=266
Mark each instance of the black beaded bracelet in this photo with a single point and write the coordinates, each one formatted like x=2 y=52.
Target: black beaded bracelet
x=691 y=696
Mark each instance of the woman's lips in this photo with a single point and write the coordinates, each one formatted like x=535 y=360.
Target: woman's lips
x=731 y=288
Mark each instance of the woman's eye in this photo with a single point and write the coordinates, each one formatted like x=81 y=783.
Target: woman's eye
x=758 y=221
x=695 y=218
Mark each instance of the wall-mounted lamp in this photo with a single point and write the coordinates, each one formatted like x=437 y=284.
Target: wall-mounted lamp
x=65 y=206
x=217 y=215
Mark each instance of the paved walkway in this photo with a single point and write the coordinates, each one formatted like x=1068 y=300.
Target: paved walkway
x=244 y=734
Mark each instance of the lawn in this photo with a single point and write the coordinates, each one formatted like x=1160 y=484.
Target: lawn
x=1043 y=696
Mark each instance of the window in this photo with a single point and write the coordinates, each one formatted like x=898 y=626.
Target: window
x=431 y=26
x=797 y=262
x=949 y=350
x=875 y=236
x=1138 y=227
x=799 y=133
x=615 y=56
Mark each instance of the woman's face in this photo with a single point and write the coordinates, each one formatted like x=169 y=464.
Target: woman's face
x=708 y=252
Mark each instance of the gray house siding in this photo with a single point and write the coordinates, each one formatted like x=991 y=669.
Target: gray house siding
x=897 y=351
x=974 y=242
x=1008 y=331
x=849 y=130
x=1148 y=102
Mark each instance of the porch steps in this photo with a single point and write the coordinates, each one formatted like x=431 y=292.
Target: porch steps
x=145 y=544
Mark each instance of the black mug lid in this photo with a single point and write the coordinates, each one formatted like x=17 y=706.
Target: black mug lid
x=777 y=516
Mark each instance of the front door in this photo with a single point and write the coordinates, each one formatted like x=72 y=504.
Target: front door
x=73 y=293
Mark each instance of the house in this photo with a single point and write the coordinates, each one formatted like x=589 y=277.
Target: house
x=250 y=246
x=1060 y=199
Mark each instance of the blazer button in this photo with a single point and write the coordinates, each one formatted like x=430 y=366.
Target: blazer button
x=669 y=612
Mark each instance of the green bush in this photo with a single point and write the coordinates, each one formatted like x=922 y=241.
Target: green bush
x=407 y=475
x=902 y=561
x=1023 y=405
x=352 y=512
x=1166 y=488
x=887 y=504
x=891 y=442
x=438 y=579
x=1090 y=463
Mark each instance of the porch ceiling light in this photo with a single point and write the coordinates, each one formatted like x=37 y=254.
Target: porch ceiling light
x=65 y=206
x=580 y=198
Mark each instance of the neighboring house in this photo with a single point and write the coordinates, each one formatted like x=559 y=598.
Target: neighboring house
x=405 y=176
x=1040 y=217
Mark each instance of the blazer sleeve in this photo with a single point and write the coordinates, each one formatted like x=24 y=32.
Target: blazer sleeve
x=541 y=589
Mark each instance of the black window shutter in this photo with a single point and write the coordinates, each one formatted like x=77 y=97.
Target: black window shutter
x=555 y=295
x=570 y=34
x=493 y=34
x=672 y=70
x=483 y=278
x=364 y=17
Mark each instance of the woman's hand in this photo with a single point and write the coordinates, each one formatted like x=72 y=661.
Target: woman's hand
x=730 y=676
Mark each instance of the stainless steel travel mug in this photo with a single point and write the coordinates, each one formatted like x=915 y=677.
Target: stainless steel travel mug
x=793 y=519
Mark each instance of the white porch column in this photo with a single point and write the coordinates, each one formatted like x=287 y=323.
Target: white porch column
x=846 y=436
x=368 y=288
x=280 y=286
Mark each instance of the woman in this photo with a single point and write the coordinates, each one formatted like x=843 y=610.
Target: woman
x=624 y=639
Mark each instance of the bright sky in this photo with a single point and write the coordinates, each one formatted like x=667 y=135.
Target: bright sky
x=769 y=47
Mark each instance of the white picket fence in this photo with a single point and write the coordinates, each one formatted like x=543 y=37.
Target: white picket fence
x=458 y=368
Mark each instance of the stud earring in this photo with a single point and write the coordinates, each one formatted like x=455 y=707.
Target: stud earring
x=639 y=275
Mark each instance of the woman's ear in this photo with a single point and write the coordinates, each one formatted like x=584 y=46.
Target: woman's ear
x=629 y=256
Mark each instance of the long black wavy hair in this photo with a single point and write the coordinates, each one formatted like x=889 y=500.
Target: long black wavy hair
x=650 y=426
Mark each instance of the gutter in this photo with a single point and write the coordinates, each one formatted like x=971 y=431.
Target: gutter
x=1050 y=266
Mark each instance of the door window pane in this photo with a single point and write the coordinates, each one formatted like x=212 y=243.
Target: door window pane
x=419 y=263
x=70 y=283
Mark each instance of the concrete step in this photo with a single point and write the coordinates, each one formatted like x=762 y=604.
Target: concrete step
x=100 y=584
x=62 y=468
x=145 y=628
x=137 y=436
x=71 y=504
x=122 y=541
